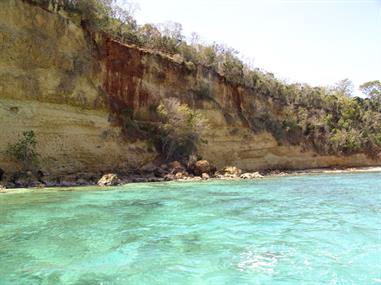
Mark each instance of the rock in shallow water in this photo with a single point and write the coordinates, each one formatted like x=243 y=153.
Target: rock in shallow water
x=254 y=175
x=205 y=176
x=110 y=179
x=232 y=170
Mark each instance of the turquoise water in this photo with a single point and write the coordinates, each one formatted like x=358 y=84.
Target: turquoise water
x=323 y=229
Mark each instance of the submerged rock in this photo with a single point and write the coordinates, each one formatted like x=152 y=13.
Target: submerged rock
x=110 y=179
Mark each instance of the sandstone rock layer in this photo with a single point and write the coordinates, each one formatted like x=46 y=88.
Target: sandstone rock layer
x=72 y=87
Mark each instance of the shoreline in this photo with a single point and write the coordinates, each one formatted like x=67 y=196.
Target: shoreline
x=142 y=179
x=362 y=169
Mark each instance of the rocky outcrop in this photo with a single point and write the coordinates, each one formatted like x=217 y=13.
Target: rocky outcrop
x=24 y=179
x=205 y=176
x=176 y=167
x=51 y=82
x=231 y=171
x=110 y=179
x=74 y=90
x=253 y=175
x=202 y=166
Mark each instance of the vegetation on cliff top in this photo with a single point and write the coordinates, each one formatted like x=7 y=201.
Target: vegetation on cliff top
x=327 y=119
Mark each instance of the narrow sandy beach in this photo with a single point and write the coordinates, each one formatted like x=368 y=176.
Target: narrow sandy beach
x=332 y=170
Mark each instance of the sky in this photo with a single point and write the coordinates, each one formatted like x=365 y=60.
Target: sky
x=314 y=41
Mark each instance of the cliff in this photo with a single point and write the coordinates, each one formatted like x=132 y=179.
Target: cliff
x=71 y=88
x=51 y=82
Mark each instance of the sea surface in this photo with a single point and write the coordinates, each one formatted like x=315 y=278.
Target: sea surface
x=320 y=229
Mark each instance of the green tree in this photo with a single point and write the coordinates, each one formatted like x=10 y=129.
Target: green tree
x=371 y=88
x=95 y=13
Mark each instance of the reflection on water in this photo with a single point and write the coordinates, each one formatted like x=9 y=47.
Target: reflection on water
x=259 y=262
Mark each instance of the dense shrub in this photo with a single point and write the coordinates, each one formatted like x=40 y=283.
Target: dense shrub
x=181 y=129
x=336 y=123
x=24 y=151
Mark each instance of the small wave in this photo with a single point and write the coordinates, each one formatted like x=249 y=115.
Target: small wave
x=264 y=263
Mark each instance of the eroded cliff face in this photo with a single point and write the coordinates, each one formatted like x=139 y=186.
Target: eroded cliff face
x=51 y=82
x=138 y=80
x=70 y=88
